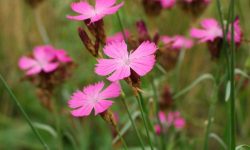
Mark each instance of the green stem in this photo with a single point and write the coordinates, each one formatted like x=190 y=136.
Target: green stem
x=121 y=26
x=13 y=97
x=232 y=82
x=163 y=146
x=140 y=100
x=58 y=127
x=132 y=121
x=120 y=136
x=210 y=116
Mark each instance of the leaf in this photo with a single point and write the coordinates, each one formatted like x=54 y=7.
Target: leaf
x=242 y=73
x=46 y=128
x=193 y=84
x=126 y=127
x=228 y=91
x=218 y=139
x=243 y=147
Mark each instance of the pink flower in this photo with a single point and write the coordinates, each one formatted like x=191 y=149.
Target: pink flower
x=177 y=42
x=237 y=32
x=93 y=97
x=175 y=119
x=119 y=66
x=211 y=30
x=42 y=61
x=167 y=3
x=62 y=56
x=118 y=37
x=101 y=9
x=157 y=128
x=162 y=117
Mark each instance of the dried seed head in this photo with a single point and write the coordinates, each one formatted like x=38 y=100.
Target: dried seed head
x=109 y=117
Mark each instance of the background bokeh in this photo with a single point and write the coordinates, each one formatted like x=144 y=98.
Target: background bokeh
x=19 y=34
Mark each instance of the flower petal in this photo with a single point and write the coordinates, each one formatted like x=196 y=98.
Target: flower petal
x=26 y=63
x=105 y=66
x=82 y=111
x=102 y=105
x=93 y=90
x=120 y=73
x=50 y=67
x=145 y=49
x=77 y=99
x=112 y=91
x=102 y=4
x=116 y=49
x=34 y=70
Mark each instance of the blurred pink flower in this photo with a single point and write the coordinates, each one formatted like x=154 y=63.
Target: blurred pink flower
x=93 y=97
x=140 y=60
x=118 y=37
x=177 y=42
x=237 y=32
x=45 y=58
x=62 y=56
x=42 y=61
x=167 y=3
x=175 y=119
x=87 y=11
x=211 y=30
x=157 y=128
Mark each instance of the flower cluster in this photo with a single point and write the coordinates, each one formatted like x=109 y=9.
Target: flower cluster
x=173 y=119
x=46 y=68
x=212 y=33
x=44 y=59
x=122 y=63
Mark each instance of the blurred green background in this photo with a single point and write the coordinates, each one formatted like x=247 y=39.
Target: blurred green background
x=19 y=34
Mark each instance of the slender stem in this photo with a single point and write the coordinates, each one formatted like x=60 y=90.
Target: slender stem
x=139 y=100
x=232 y=82
x=123 y=141
x=163 y=146
x=41 y=27
x=132 y=122
x=121 y=26
x=210 y=116
x=13 y=97
x=58 y=127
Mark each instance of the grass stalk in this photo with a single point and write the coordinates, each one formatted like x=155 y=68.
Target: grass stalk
x=132 y=122
x=13 y=97
x=145 y=122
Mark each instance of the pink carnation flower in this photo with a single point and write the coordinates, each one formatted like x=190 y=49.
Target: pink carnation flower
x=45 y=58
x=93 y=97
x=42 y=61
x=62 y=56
x=175 y=119
x=119 y=66
x=118 y=37
x=211 y=30
x=177 y=42
x=87 y=11
x=172 y=119
x=167 y=3
x=237 y=32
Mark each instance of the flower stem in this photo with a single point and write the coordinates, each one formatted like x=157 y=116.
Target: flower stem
x=41 y=27
x=140 y=100
x=123 y=141
x=132 y=122
x=156 y=99
x=13 y=97
x=232 y=82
